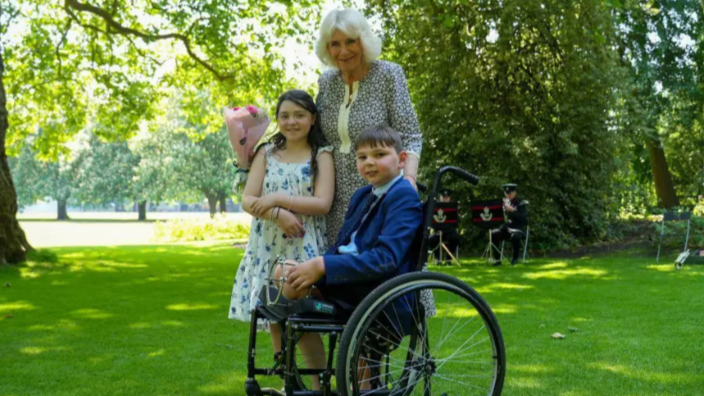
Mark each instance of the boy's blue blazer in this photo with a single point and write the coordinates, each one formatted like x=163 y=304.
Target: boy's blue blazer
x=384 y=239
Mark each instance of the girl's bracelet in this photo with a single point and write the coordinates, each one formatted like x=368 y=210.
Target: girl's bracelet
x=278 y=209
x=290 y=202
x=271 y=215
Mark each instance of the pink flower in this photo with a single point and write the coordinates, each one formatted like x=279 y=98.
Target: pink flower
x=236 y=108
x=252 y=110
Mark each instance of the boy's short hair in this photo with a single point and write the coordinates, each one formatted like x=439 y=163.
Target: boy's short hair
x=379 y=135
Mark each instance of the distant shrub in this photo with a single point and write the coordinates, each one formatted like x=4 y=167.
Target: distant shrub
x=187 y=230
x=699 y=207
x=44 y=256
x=678 y=230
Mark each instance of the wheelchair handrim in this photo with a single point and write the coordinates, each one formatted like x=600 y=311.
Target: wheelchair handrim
x=414 y=286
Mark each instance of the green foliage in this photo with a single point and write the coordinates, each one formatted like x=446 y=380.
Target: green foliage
x=661 y=44
x=26 y=173
x=189 y=151
x=699 y=207
x=107 y=172
x=72 y=63
x=675 y=232
x=44 y=256
x=520 y=92
x=186 y=230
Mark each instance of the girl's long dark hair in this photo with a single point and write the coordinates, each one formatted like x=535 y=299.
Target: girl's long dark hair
x=315 y=136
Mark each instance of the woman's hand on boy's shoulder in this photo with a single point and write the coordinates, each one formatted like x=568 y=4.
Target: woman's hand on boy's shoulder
x=305 y=274
x=412 y=180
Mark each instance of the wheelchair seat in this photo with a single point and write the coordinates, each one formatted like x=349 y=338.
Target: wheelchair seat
x=304 y=308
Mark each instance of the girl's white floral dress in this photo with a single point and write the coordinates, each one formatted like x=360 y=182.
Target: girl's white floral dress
x=267 y=240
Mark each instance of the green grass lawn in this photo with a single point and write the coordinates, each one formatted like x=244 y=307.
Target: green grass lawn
x=152 y=320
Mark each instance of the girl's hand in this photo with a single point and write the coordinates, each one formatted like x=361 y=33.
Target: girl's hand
x=290 y=224
x=305 y=274
x=263 y=204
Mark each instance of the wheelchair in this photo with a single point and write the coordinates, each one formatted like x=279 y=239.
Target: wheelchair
x=391 y=343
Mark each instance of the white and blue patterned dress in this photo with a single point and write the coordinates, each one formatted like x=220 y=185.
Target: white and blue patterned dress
x=266 y=239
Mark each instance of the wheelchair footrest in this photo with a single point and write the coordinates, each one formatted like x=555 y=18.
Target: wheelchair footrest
x=284 y=307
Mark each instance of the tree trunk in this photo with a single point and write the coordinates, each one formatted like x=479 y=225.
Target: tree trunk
x=142 y=208
x=223 y=203
x=212 y=203
x=62 y=212
x=13 y=242
x=664 y=188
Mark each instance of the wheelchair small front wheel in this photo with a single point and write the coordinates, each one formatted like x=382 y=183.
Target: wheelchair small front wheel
x=390 y=346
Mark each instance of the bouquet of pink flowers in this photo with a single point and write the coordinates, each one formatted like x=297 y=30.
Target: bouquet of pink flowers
x=245 y=126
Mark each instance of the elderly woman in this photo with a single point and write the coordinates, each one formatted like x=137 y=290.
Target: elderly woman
x=357 y=93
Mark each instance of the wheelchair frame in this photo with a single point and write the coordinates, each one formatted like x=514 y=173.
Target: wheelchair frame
x=295 y=326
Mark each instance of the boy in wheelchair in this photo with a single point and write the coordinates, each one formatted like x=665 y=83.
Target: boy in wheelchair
x=375 y=241
x=368 y=291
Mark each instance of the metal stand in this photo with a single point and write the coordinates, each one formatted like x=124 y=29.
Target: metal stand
x=671 y=216
x=490 y=247
x=444 y=249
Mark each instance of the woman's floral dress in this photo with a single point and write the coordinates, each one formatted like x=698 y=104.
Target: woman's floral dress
x=267 y=240
x=380 y=98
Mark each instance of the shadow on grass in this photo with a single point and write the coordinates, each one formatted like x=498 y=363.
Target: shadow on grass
x=152 y=320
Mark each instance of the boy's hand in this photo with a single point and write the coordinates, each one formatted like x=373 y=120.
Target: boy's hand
x=302 y=276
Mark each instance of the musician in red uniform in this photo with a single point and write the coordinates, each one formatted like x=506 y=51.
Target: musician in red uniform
x=516 y=210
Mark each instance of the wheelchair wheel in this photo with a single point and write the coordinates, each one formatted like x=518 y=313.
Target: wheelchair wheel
x=389 y=347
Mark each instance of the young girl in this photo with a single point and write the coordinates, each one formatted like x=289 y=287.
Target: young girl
x=289 y=190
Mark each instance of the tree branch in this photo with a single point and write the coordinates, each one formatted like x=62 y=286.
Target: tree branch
x=127 y=31
x=61 y=42
x=73 y=16
x=142 y=53
x=3 y=28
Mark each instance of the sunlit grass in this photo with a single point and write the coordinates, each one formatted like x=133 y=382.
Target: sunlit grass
x=152 y=320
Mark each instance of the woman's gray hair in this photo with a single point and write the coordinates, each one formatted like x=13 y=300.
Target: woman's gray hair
x=352 y=23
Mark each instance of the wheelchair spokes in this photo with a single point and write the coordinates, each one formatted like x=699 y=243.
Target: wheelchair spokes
x=392 y=348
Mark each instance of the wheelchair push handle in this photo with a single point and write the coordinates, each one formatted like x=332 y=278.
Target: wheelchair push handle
x=462 y=174
x=459 y=172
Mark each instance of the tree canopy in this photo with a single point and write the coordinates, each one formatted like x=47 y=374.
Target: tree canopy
x=594 y=107
x=70 y=64
x=557 y=96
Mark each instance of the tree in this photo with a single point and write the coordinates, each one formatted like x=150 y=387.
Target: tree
x=204 y=166
x=13 y=242
x=26 y=172
x=107 y=173
x=197 y=160
x=77 y=60
x=516 y=91
x=665 y=86
x=58 y=182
